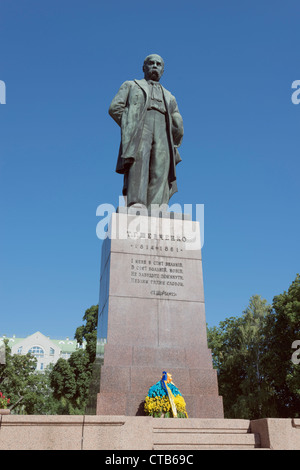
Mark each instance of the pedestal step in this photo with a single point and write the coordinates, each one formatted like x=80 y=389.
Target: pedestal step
x=203 y=434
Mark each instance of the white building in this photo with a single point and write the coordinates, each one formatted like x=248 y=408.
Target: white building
x=47 y=351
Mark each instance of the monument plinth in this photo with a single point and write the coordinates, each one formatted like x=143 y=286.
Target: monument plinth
x=152 y=315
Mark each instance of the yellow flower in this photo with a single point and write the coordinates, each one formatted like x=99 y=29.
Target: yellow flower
x=159 y=405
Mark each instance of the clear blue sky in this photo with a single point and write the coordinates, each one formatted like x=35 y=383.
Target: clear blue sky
x=229 y=64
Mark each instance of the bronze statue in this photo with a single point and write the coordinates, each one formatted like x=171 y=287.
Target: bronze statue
x=151 y=132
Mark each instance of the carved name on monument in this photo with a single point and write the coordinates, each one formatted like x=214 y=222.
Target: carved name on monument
x=156 y=261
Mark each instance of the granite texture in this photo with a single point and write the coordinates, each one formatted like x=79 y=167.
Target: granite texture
x=121 y=432
x=41 y=432
x=152 y=315
x=278 y=434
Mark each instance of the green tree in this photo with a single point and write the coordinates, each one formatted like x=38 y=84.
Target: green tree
x=62 y=381
x=63 y=389
x=28 y=390
x=238 y=349
x=253 y=343
x=70 y=379
x=253 y=356
x=88 y=332
x=224 y=343
x=282 y=329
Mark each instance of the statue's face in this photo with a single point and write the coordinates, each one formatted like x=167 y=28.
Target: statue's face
x=153 y=67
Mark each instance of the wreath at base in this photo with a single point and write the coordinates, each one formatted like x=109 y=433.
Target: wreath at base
x=164 y=400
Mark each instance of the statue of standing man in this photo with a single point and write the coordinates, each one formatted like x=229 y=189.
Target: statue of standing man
x=151 y=132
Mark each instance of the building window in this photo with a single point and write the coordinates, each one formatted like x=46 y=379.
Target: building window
x=51 y=352
x=65 y=355
x=20 y=350
x=36 y=351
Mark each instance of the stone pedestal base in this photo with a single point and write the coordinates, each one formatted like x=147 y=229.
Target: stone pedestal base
x=152 y=317
x=124 y=433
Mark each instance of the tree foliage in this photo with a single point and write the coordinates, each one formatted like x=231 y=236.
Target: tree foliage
x=61 y=389
x=70 y=379
x=28 y=390
x=252 y=354
x=283 y=327
x=88 y=332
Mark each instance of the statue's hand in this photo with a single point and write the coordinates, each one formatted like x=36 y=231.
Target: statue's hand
x=177 y=129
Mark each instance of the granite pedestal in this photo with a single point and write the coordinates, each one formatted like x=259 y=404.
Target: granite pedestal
x=152 y=316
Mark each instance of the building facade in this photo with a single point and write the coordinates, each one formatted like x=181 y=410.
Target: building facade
x=46 y=350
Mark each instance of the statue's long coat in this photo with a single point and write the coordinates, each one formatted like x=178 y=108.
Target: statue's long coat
x=128 y=109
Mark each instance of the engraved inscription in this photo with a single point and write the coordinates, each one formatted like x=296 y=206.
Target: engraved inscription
x=160 y=275
x=153 y=242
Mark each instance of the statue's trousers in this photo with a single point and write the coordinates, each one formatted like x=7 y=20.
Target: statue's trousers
x=148 y=175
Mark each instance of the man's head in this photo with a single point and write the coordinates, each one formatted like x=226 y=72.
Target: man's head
x=153 y=67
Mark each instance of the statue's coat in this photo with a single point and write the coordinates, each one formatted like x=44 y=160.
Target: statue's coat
x=128 y=109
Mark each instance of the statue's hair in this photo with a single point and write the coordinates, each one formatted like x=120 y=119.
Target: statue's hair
x=150 y=55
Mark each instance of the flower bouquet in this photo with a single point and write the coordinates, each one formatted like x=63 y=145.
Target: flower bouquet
x=164 y=400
